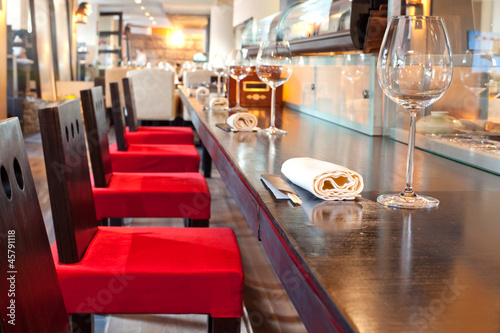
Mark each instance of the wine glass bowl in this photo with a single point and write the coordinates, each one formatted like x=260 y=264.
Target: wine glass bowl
x=218 y=66
x=274 y=67
x=477 y=71
x=238 y=67
x=414 y=70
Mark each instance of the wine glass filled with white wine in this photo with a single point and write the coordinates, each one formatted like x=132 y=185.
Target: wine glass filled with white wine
x=274 y=67
x=238 y=67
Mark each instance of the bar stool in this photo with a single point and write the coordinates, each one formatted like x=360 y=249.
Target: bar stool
x=103 y=270
x=133 y=158
x=150 y=134
x=119 y=194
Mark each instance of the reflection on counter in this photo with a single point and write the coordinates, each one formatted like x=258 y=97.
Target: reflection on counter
x=333 y=216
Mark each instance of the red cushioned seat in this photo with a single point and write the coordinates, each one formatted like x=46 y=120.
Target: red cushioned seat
x=155 y=158
x=174 y=194
x=160 y=135
x=156 y=270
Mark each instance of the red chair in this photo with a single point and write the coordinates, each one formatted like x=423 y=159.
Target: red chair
x=120 y=194
x=102 y=269
x=133 y=158
x=136 y=134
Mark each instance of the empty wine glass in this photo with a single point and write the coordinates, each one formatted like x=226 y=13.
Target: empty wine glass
x=477 y=71
x=238 y=66
x=274 y=67
x=414 y=70
x=218 y=66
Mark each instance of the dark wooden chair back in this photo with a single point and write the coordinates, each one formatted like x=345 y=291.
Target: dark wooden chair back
x=31 y=298
x=94 y=113
x=68 y=177
x=117 y=113
x=132 y=122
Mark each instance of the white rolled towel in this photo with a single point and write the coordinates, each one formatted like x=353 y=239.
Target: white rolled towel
x=242 y=121
x=202 y=96
x=325 y=180
x=219 y=103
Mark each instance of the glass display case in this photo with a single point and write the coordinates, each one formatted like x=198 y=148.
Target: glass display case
x=341 y=88
x=260 y=31
x=464 y=124
x=314 y=18
x=315 y=26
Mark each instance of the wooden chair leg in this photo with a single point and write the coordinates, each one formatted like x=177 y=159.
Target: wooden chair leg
x=116 y=222
x=223 y=325
x=82 y=322
x=192 y=223
x=206 y=163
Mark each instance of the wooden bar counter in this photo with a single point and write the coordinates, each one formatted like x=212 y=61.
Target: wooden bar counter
x=359 y=266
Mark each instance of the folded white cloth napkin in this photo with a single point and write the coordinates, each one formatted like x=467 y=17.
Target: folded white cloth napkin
x=325 y=180
x=202 y=96
x=242 y=121
x=219 y=103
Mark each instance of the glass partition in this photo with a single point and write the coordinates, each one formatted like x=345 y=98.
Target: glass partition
x=465 y=123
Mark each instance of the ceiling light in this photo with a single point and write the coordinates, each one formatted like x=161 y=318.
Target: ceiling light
x=142 y=7
x=138 y=1
x=151 y=18
x=147 y=13
x=154 y=22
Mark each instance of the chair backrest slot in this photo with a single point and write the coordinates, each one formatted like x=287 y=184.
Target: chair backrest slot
x=29 y=279
x=96 y=127
x=68 y=177
x=130 y=105
x=117 y=113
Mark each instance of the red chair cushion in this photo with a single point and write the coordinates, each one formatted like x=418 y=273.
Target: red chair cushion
x=183 y=194
x=155 y=158
x=160 y=135
x=156 y=270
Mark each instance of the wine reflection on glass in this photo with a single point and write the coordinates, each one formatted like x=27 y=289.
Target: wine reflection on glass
x=274 y=67
x=414 y=69
x=218 y=66
x=238 y=66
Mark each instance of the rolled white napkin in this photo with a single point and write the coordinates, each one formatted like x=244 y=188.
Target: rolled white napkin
x=242 y=121
x=325 y=180
x=219 y=103
x=202 y=96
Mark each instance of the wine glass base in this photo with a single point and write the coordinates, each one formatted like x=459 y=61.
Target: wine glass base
x=413 y=202
x=238 y=108
x=274 y=131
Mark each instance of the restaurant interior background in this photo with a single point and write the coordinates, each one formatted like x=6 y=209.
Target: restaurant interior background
x=334 y=74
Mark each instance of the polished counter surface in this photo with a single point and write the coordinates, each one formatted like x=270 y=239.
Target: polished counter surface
x=359 y=266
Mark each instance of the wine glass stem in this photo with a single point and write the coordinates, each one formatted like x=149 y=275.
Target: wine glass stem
x=273 y=106
x=218 y=85
x=237 y=92
x=408 y=191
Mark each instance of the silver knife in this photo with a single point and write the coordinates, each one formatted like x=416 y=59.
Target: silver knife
x=283 y=187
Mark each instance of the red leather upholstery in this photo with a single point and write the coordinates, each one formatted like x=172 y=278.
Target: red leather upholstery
x=156 y=270
x=155 y=158
x=183 y=194
x=160 y=135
